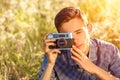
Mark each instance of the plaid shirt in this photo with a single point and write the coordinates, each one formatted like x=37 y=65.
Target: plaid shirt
x=102 y=54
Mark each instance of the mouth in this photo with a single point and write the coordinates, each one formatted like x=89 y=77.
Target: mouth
x=78 y=46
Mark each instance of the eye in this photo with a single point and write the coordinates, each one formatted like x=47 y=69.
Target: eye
x=78 y=32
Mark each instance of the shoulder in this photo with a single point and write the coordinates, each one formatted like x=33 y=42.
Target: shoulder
x=106 y=51
x=106 y=48
x=104 y=44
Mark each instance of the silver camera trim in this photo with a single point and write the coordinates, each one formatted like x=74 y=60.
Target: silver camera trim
x=67 y=35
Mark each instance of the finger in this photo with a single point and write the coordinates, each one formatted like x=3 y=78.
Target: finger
x=47 y=43
x=46 y=35
x=76 y=59
x=75 y=54
x=77 y=50
x=54 y=51
x=49 y=46
x=49 y=40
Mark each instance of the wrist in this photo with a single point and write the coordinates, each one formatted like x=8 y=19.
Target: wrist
x=50 y=64
x=102 y=74
x=96 y=71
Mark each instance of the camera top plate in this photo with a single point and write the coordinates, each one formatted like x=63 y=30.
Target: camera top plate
x=60 y=35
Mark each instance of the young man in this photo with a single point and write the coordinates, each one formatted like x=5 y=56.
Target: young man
x=88 y=59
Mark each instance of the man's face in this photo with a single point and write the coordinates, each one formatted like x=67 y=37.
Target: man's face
x=80 y=33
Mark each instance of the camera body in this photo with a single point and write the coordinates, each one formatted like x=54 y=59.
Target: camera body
x=64 y=41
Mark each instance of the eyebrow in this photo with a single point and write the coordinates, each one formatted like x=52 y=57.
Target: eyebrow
x=78 y=30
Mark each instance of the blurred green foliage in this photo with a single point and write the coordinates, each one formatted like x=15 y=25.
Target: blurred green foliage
x=23 y=23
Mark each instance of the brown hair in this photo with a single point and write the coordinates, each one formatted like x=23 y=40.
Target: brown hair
x=67 y=14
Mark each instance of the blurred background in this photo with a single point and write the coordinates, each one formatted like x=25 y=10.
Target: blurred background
x=23 y=23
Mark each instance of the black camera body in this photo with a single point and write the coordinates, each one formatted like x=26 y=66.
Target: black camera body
x=64 y=41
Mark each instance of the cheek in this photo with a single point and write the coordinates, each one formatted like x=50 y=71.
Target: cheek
x=81 y=38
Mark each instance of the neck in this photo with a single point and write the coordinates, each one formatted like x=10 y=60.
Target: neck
x=86 y=51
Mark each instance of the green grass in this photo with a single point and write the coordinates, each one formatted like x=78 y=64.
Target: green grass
x=24 y=23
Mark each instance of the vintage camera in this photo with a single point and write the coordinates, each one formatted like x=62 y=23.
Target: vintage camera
x=64 y=41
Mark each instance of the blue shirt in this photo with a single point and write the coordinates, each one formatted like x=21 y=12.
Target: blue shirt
x=103 y=54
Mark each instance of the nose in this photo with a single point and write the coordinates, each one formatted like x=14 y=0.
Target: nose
x=75 y=39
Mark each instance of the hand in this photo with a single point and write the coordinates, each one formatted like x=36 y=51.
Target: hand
x=82 y=59
x=50 y=53
x=87 y=65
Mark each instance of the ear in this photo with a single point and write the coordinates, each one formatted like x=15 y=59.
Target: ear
x=89 y=26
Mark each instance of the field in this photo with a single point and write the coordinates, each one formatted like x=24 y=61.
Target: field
x=23 y=23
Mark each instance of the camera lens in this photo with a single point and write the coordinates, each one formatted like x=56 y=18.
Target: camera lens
x=61 y=43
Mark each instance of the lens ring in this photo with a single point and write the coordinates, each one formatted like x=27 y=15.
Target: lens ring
x=61 y=43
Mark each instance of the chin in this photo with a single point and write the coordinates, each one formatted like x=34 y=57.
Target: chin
x=79 y=47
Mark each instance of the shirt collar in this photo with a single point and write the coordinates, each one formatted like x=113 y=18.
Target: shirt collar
x=93 y=50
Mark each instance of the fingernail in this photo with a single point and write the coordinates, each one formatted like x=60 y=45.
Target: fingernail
x=73 y=46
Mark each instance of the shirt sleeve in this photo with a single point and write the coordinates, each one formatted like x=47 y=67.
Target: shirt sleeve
x=43 y=69
x=115 y=63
